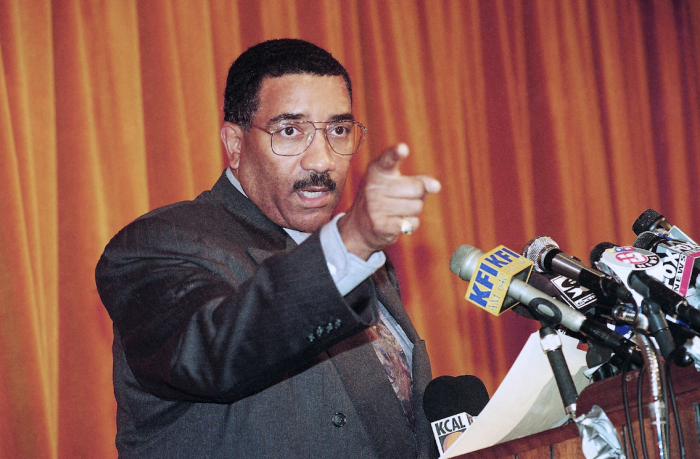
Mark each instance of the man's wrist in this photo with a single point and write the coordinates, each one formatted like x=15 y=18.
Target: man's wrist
x=353 y=240
x=347 y=269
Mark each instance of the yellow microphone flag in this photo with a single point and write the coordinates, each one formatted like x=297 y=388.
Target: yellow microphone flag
x=494 y=272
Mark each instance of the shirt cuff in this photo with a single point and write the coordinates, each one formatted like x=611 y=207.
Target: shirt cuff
x=347 y=269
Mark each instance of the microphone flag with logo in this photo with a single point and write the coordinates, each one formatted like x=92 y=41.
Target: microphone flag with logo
x=681 y=260
x=488 y=288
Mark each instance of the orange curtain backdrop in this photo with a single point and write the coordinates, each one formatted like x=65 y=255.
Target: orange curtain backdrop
x=563 y=118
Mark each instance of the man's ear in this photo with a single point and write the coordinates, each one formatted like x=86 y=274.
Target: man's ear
x=232 y=137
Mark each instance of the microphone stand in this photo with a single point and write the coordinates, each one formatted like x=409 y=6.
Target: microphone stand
x=658 y=409
x=551 y=345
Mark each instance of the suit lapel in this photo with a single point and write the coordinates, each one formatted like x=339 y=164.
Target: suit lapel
x=388 y=295
x=260 y=255
x=244 y=210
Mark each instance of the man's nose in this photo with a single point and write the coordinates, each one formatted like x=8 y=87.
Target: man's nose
x=319 y=157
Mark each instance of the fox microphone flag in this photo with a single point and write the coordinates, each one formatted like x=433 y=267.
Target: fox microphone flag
x=680 y=259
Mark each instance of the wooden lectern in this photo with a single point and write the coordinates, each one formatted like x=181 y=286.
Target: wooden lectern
x=564 y=442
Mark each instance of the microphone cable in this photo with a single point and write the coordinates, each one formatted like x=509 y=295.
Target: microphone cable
x=651 y=366
x=676 y=415
x=640 y=415
x=626 y=405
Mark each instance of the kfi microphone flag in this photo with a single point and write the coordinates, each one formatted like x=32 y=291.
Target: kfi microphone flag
x=493 y=274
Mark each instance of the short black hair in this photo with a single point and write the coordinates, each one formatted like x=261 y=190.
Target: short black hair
x=273 y=58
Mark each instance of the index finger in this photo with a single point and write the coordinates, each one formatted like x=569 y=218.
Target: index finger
x=390 y=160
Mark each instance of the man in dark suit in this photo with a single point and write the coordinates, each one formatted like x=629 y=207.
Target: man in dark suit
x=250 y=322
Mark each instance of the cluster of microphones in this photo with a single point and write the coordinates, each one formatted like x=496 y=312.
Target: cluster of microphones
x=651 y=286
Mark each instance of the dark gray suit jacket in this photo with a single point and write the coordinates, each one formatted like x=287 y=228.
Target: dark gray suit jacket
x=232 y=341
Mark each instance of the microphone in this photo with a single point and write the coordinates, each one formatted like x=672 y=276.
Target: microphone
x=551 y=345
x=572 y=293
x=566 y=290
x=451 y=403
x=640 y=270
x=547 y=257
x=558 y=287
x=651 y=220
x=497 y=281
x=681 y=260
x=497 y=269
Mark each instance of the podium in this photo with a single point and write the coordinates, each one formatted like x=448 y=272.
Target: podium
x=564 y=442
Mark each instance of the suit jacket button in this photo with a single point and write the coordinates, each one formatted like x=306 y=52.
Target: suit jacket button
x=339 y=419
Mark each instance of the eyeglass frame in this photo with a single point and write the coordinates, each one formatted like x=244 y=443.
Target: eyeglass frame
x=313 y=136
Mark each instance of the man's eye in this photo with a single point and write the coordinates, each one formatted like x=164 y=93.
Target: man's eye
x=289 y=131
x=339 y=130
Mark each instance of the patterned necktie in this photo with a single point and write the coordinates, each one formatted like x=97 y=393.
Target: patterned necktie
x=395 y=364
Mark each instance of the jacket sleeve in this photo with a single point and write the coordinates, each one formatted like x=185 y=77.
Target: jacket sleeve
x=200 y=321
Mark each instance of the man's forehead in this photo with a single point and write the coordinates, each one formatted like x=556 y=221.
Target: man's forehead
x=301 y=76
x=299 y=92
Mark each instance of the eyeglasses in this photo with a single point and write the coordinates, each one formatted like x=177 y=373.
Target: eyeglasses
x=292 y=139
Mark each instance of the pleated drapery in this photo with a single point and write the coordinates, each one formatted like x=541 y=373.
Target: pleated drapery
x=563 y=118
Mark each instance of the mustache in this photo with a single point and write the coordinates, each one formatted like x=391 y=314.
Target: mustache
x=316 y=179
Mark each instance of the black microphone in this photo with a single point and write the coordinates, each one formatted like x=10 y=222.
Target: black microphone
x=451 y=403
x=547 y=257
x=551 y=345
x=640 y=270
x=651 y=220
x=467 y=263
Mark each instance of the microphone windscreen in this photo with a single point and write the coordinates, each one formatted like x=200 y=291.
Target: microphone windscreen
x=536 y=248
x=598 y=250
x=478 y=396
x=646 y=240
x=446 y=396
x=646 y=221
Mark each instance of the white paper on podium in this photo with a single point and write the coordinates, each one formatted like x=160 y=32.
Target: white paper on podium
x=526 y=402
